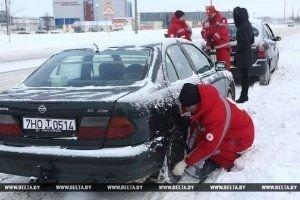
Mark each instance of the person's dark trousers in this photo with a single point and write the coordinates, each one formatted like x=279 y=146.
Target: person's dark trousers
x=245 y=85
x=208 y=167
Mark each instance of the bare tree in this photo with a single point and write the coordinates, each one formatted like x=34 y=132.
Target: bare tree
x=8 y=17
x=47 y=21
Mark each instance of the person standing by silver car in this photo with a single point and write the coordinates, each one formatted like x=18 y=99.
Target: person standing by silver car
x=243 y=56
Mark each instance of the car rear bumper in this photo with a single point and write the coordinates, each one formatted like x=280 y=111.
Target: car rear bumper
x=113 y=165
x=257 y=69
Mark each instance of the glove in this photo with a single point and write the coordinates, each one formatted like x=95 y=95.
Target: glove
x=210 y=39
x=179 y=168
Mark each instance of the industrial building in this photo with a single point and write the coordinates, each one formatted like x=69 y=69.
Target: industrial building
x=159 y=20
x=66 y=12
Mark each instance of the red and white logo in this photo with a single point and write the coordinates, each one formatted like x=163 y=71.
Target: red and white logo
x=210 y=137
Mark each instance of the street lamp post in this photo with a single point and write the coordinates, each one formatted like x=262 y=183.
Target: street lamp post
x=136 y=26
x=97 y=6
x=284 y=11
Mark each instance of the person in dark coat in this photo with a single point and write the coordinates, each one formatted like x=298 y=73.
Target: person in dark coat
x=243 y=57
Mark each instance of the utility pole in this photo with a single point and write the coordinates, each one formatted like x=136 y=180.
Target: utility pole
x=293 y=12
x=7 y=18
x=211 y=2
x=97 y=18
x=136 y=25
x=284 y=11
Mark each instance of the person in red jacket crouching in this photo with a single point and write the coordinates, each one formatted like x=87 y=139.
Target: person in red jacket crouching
x=220 y=130
x=179 y=28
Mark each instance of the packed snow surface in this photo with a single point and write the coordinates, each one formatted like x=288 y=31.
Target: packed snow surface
x=274 y=157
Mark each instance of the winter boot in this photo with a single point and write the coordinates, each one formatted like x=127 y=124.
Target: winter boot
x=242 y=99
x=208 y=167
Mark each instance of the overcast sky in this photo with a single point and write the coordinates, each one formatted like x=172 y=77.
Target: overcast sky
x=273 y=8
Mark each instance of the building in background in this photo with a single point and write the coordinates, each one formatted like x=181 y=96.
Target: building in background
x=88 y=9
x=2 y=22
x=109 y=9
x=2 y=18
x=92 y=26
x=66 y=12
x=159 y=20
x=24 y=24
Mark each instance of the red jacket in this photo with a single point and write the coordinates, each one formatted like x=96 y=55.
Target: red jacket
x=179 y=29
x=216 y=32
x=220 y=130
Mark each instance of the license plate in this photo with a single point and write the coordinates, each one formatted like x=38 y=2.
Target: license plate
x=52 y=125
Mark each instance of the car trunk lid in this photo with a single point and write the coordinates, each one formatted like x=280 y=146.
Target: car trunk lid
x=55 y=117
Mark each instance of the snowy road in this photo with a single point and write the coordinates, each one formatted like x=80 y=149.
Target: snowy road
x=274 y=157
x=10 y=79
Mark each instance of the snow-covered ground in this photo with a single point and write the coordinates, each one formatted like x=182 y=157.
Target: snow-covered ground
x=19 y=65
x=27 y=47
x=274 y=157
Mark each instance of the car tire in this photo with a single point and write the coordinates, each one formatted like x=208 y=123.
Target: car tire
x=174 y=154
x=277 y=64
x=231 y=91
x=265 y=78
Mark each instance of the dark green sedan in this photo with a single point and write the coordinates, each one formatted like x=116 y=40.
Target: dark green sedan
x=104 y=116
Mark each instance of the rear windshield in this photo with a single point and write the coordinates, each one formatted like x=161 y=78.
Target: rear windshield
x=81 y=68
x=232 y=31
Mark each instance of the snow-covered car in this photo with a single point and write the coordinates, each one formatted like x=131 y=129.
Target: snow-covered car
x=104 y=116
x=265 y=51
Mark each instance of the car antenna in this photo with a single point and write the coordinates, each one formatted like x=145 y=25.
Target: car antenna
x=97 y=48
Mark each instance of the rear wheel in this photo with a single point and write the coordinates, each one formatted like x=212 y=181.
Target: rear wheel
x=175 y=153
x=265 y=78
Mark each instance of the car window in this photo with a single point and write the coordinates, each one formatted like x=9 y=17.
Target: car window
x=200 y=61
x=232 y=31
x=171 y=72
x=68 y=69
x=269 y=34
x=180 y=62
x=80 y=68
x=270 y=31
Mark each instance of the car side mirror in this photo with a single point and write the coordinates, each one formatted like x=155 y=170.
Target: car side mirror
x=220 y=66
x=255 y=32
x=277 y=38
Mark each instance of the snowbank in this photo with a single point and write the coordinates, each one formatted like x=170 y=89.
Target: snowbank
x=274 y=157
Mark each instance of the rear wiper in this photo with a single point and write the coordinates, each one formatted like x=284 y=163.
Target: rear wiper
x=97 y=48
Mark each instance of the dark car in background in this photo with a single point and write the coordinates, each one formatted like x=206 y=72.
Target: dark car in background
x=104 y=116
x=265 y=52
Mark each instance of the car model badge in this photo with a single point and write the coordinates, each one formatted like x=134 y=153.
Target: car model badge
x=42 y=109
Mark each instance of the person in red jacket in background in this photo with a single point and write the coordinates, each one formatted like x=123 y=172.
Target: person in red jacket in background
x=220 y=130
x=216 y=34
x=179 y=28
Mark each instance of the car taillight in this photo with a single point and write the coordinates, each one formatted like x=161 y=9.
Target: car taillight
x=92 y=128
x=119 y=128
x=9 y=126
x=261 y=51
